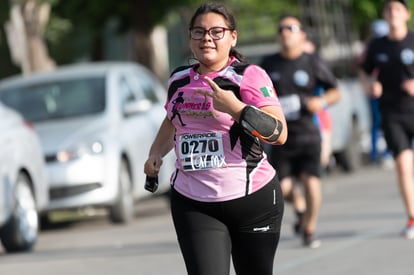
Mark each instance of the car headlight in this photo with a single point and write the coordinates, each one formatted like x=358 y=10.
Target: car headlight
x=80 y=151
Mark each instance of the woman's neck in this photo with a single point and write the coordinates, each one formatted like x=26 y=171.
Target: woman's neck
x=205 y=69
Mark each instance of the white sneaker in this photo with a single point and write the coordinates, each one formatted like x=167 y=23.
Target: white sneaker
x=310 y=241
x=408 y=233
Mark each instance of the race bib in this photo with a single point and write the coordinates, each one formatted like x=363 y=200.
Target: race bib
x=291 y=106
x=201 y=151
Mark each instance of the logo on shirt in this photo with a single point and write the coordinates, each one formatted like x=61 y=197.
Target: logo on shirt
x=407 y=56
x=267 y=91
x=382 y=58
x=301 y=78
x=178 y=102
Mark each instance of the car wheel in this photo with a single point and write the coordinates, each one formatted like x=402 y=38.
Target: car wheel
x=45 y=222
x=21 y=231
x=123 y=209
x=349 y=159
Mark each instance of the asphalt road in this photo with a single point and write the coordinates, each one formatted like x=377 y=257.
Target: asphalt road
x=361 y=218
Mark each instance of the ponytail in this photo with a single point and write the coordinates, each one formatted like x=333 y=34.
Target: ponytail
x=238 y=55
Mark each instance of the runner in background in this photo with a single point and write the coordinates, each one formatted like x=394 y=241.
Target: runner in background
x=323 y=119
x=379 y=28
x=388 y=74
x=296 y=75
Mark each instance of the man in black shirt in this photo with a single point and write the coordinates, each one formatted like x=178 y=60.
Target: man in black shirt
x=392 y=57
x=296 y=76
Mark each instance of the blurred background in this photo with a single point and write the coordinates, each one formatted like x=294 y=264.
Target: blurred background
x=37 y=35
x=44 y=35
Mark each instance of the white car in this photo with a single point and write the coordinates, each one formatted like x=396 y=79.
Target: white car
x=96 y=122
x=351 y=119
x=23 y=184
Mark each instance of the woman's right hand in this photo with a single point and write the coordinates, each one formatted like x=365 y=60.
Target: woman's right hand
x=152 y=165
x=163 y=143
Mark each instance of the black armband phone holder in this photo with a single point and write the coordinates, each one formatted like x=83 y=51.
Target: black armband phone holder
x=260 y=124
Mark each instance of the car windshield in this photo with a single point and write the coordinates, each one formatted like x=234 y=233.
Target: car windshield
x=56 y=100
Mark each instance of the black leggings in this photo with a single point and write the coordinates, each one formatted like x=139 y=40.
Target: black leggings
x=247 y=228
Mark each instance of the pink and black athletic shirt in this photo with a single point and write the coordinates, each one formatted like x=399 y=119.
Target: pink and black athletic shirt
x=216 y=159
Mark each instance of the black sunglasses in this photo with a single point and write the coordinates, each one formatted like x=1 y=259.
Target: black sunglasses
x=291 y=28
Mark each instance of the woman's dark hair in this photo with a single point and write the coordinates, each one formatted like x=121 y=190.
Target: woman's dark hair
x=220 y=9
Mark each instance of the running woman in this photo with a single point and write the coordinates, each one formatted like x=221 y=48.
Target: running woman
x=226 y=201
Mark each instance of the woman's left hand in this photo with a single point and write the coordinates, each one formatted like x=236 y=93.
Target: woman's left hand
x=223 y=100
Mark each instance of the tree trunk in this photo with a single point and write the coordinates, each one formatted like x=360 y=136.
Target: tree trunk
x=143 y=50
x=149 y=43
x=160 y=61
x=25 y=31
x=151 y=50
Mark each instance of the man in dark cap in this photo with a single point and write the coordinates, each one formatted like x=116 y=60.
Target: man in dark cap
x=392 y=57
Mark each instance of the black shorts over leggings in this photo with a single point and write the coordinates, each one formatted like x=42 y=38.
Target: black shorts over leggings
x=247 y=228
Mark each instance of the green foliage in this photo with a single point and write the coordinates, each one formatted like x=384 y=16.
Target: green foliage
x=366 y=11
x=257 y=20
x=94 y=14
x=4 y=11
x=75 y=26
x=57 y=29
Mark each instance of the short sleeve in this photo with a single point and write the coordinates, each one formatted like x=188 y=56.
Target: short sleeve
x=324 y=74
x=257 y=89
x=366 y=61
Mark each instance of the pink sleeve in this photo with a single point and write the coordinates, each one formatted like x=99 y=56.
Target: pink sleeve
x=257 y=88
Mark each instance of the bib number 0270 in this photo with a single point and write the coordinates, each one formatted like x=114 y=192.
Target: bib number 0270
x=199 y=146
x=201 y=151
